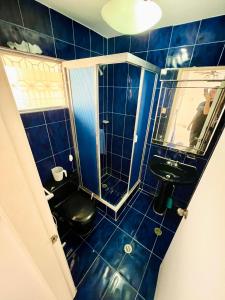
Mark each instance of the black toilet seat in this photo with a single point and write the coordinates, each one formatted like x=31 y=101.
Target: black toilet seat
x=78 y=209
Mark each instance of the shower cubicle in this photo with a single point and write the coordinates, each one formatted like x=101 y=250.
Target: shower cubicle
x=111 y=97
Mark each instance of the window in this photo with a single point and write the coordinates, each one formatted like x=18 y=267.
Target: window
x=36 y=83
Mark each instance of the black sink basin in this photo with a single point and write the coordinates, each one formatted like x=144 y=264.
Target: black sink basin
x=172 y=171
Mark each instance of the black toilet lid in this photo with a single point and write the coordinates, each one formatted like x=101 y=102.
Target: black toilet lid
x=78 y=208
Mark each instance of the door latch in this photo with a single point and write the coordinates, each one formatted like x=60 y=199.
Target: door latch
x=182 y=212
x=54 y=238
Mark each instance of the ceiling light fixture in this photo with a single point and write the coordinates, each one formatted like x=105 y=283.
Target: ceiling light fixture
x=131 y=16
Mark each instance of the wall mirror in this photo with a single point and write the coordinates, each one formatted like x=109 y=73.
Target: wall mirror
x=190 y=105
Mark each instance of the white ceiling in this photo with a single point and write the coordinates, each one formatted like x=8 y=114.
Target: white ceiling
x=88 y=12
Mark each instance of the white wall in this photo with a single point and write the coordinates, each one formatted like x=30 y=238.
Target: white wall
x=194 y=266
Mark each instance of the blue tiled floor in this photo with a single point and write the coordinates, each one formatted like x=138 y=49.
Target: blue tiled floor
x=100 y=267
x=115 y=189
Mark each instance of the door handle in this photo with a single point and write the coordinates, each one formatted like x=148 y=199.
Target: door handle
x=182 y=212
x=54 y=238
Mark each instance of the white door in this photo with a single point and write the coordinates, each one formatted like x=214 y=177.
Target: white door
x=194 y=266
x=23 y=202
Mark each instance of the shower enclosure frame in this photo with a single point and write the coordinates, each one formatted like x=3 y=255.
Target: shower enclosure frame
x=95 y=62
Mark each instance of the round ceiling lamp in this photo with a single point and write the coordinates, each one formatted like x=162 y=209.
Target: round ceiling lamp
x=131 y=16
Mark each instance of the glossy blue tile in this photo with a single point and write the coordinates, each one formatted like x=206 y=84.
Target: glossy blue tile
x=114 y=252
x=162 y=243
x=142 y=55
x=95 y=282
x=121 y=188
x=125 y=166
x=119 y=100
x=131 y=103
x=139 y=42
x=171 y=220
x=40 y=146
x=10 y=12
x=212 y=30
x=184 y=34
x=81 y=36
x=69 y=131
x=44 y=42
x=131 y=222
x=145 y=234
x=62 y=27
x=82 y=53
x=101 y=234
x=175 y=155
x=67 y=114
x=222 y=59
x=64 y=50
x=160 y=38
x=142 y=202
x=111 y=46
x=133 y=265
x=120 y=75
x=105 y=43
x=44 y=169
x=207 y=54
x=139 y=297
x=73 y=242
x=134 y=74
x=146 y=154
x=157 y=57
x=32 y=119
x=96 y=42
x=179 y=57
x=182 y=195
x=152 y=215
x=36 y=16
x=118 y=124
x=80 y=261
x=94 y=54
x=54 y=115
x=58 y=136
x=129 y=127
x=127 y=148
x=119 y=289
x=9 y=34
x=122 y=44
x=116 y=162
x=148 y=285
x=117 y=144
x=62 y=160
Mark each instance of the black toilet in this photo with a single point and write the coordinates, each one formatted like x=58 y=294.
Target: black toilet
x=71 y=205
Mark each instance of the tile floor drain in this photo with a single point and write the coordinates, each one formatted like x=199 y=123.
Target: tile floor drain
x=158 y=231
x=104 y=186
x=128 y=248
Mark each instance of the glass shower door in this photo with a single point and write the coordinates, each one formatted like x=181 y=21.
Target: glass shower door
x=84 y=84
x=147 y=92
x=118 y=97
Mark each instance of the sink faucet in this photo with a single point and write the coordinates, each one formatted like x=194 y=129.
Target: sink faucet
x=171 y=163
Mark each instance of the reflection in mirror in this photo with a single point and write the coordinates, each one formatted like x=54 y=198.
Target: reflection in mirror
x=190 y=105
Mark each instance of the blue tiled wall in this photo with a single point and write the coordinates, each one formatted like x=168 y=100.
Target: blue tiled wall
x=50 y=139
x=123 y=86
x=56 y=35
x=199 y=43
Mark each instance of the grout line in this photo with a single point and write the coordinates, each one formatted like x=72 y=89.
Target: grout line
x=223 y=50
x=49 y=139
x=50 y=17
x=196 y=38
x=21 y=15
